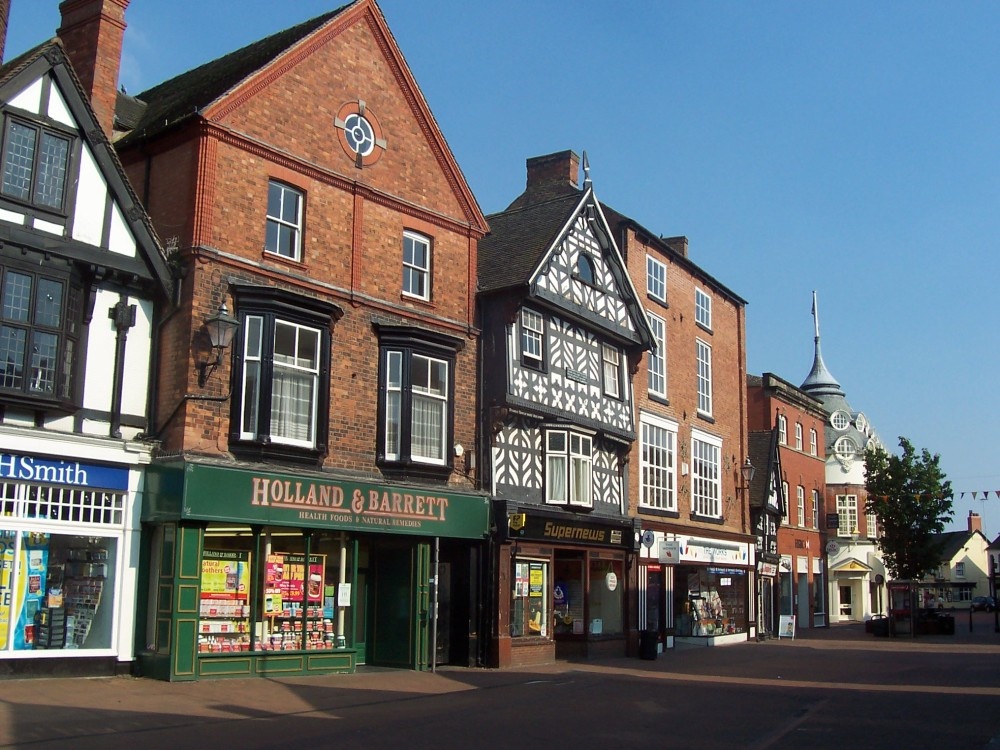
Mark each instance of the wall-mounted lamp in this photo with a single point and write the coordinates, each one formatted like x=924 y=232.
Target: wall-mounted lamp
x=747 y=470
x=220 y=329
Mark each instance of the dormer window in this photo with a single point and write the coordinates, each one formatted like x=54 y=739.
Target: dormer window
x=585 y=269
x=35 y=165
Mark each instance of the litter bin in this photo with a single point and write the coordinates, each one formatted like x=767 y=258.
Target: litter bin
x=647 y=644
x=880 y=626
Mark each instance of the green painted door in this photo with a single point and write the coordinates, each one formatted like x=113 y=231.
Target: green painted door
x=392 y=607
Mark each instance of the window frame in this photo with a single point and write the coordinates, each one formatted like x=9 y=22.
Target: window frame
x=415 y=345
x=847 y=508
x=611 y=372
x=280 y=222
x=786 y=503
x=41 y=130
x=574 y=460
x=413 y=270
x=782 y=429
x=798 y=436
x=815 y=509
x=664 y=468
x=706 y=475
x=813 y=441
x=703 y=351
x=703 y=308
x=656 y=361
x=656 y=278
x=276 y=307
x=527 y=334
x=66 y=373
x=800 y=497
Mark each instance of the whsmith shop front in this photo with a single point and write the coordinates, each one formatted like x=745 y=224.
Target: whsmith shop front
x=563 y=585
x=256 y=573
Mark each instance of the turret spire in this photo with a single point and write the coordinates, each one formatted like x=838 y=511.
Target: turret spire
x=820 y=381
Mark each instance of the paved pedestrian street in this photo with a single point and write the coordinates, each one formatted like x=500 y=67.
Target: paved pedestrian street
x=835 y=688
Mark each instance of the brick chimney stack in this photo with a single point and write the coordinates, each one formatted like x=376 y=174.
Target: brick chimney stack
x=975 y=522
x=92 y=32
x=562 y=167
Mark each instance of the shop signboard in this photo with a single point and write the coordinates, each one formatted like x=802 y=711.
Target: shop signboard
x=572 y=531
x=237 y=495
x=29 y=468
x=696 y=549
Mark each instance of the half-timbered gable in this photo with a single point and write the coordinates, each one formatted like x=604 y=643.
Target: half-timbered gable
x=562 y=316
x=81 y=267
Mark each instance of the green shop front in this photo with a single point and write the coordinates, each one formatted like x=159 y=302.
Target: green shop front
x=259 y=573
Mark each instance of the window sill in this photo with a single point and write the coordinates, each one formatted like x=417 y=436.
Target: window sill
x=707 y=519
x=659 y=512
x=412 y=299
x=281 y=260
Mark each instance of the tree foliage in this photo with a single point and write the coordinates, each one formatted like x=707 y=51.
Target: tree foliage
x=911 y=500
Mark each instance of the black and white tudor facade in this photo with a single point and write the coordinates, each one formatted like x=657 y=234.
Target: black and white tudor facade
x=82 y=278
x=562 y=334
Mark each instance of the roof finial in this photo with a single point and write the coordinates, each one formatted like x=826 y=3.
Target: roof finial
x=815 y=314
x=586 y=172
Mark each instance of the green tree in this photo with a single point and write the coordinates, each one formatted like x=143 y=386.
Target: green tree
x=911 y=501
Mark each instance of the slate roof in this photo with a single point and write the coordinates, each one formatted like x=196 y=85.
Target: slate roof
x=518 y=237
x=173 y=101
x=952 y=542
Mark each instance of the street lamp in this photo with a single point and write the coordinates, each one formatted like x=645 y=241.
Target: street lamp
x=220 y=329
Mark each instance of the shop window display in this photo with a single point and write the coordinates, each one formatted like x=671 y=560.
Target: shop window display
x=56 y=590
x=715 y=602
x=529 y=611
x=260 y=593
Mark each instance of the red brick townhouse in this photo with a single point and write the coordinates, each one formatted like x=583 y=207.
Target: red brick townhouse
x=797 y=588
x=315 y=408
x=687 y=484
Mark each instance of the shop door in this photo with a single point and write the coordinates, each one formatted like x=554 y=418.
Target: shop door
x=443 y=635
x=803 y=601
x=845 y=602
x=392 y=608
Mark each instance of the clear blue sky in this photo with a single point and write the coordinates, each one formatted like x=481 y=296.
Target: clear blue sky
x=848 y=147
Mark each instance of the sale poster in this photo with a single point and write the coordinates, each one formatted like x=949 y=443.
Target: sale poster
x=225 y=574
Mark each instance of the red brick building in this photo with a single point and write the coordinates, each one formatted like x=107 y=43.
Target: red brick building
x=796 y=420
x=313 y=476
x=696 y=574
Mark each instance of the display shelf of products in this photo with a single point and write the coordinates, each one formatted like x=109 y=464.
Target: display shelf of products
x=224 y=625
x=285 y=631
x=83 y=592
x=50 y=628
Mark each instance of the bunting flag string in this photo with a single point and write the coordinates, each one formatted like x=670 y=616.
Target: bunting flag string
x=975 y=494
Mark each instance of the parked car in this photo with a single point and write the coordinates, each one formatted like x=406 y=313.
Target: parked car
x=983 y=604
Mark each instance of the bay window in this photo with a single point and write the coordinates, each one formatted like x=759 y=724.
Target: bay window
x=416 y=407
x=569 y=459
x=281 y=377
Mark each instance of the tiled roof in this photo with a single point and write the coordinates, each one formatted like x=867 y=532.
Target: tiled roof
x=175 y=100
x=519 y=236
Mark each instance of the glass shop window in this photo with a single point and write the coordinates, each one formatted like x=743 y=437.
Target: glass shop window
x=56 y=590
x=530 y=606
